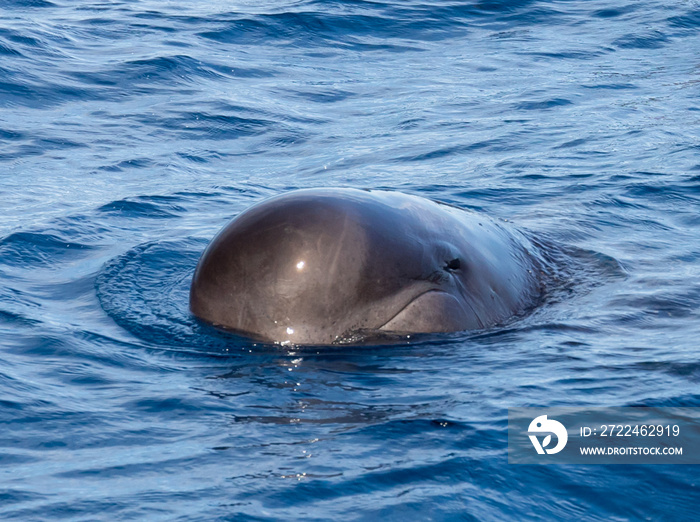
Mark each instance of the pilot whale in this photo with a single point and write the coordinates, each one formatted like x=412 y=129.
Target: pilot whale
x=336 y=265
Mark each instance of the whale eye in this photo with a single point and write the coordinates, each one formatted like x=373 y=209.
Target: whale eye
x=454 y=264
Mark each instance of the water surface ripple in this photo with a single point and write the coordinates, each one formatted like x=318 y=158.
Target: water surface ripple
x=130 y=132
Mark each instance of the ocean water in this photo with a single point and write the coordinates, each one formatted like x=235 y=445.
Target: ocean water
x=132 y=131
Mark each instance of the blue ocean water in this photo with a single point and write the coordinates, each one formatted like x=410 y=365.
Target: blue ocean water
x=131 y=131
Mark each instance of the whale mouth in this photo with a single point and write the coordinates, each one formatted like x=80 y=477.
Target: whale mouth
x=434 y=311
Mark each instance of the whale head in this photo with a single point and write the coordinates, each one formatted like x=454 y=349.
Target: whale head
x=318 y=266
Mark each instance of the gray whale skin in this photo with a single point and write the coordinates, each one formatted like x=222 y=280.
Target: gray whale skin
x=325 y=266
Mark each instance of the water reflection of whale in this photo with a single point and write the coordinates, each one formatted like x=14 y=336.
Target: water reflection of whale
x=322 y=266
